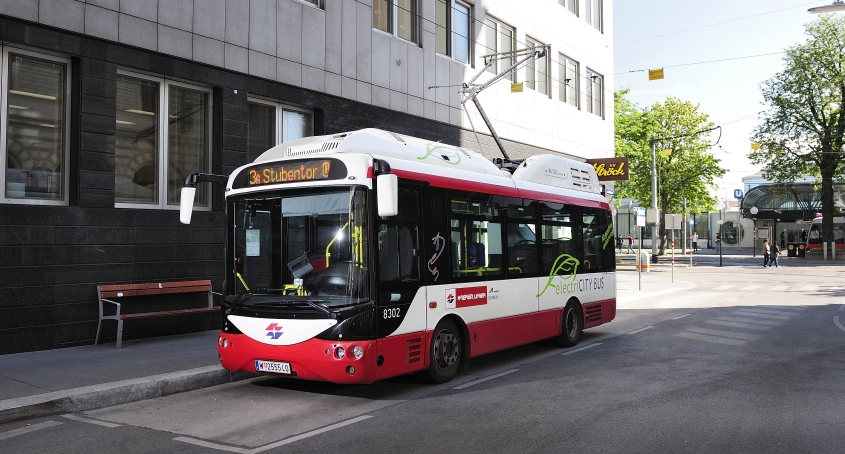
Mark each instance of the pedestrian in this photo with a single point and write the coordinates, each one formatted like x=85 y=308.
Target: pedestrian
x=803 y=236
x=630 y=244
x=619 y=243
x=773 y=256
x=783 y=239
x=766 y=252
x=718 y=243
x=694 y=241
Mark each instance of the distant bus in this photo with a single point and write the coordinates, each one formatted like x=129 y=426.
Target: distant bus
x=361 y=256
x=814 y=236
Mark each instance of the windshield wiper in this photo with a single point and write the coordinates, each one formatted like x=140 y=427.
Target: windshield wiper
x=291 y=303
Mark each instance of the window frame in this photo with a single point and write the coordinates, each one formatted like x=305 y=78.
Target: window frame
x=393 y=23
x=563 y=87
x=278 y=134
x=594 y=14
x=319 y=4
x=589 y=76
x=451 y=34
x=163 y=150
x=570 y=5
x=532 y=66
x=497 y=66
x=4 y=126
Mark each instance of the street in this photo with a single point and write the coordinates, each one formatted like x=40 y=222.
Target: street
x=738 y=358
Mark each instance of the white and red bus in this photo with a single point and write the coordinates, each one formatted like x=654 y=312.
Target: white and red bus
x=814 y=237
x=360 y=256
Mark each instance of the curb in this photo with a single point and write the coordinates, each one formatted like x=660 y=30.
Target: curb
x=115 y=393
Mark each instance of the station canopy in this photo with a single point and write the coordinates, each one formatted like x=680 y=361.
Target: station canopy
x=790 y=203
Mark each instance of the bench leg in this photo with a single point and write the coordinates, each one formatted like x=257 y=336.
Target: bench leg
x=119 y=333
x=97 y=338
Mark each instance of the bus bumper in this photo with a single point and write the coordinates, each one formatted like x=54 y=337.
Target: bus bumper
x=314 y=359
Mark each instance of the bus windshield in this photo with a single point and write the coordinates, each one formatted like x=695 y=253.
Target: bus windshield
x=305 y=246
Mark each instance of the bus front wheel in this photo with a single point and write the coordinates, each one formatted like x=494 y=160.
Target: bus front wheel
x=444 y=352
x=573 y=326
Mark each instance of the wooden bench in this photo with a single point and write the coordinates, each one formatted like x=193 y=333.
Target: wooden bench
x=120 y=291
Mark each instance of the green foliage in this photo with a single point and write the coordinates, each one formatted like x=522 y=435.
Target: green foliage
x=802 y=132
x=689 y=171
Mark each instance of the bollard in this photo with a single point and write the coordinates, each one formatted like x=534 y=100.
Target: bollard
x=824 y=250
x=644 y=261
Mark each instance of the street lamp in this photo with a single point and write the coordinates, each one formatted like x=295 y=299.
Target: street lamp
x=720 y=206
x=837 y=5
x=754 y=211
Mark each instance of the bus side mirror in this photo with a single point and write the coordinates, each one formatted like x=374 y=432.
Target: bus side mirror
x=387 y=185
x=186 y=204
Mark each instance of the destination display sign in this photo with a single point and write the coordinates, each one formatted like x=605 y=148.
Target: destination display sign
x=298 y=171
x=610 y=168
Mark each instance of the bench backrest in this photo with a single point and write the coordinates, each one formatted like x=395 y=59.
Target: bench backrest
x=154 y=288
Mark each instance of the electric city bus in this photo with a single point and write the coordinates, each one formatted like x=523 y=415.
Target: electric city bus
x=355 y=257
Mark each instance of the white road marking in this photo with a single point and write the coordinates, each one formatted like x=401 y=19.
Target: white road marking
x=91 y=421
x=836 y=320
x=760 y=311
x=482 y=380
x=681 y=316
x=751 y=287
x=738 y=325
x=779 y=288
x=724 y=287
x=715 y=340
x=641 y=329
x=748 y=313
x=580 y=349
x=208 y=444
x=28 y=429
x=286 y=441
x=721 y=333
x=750 y=320
x=841 y=307
x=808 y=288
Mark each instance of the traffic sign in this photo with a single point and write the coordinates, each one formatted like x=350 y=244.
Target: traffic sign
x=738 y=193
x=640 y=217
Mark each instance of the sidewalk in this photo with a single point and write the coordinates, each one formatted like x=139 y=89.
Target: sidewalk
x=36 y=384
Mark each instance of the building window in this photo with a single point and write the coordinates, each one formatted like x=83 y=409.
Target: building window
x=595 y=98
x=568 y=80
x=536 y=71
x=571 y=5
x=498 y=38
x=593 y=13
x=33 y=127
x=271 y=124
x=453 y=29
x=317 y=3
x=397 y=17
x=162 y=134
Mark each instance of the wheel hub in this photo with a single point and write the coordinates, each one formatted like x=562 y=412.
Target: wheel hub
x=445 y=349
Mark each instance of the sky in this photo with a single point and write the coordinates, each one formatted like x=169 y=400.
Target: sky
x=673 y=34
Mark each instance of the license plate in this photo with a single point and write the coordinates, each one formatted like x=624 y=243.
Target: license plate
x=272 y=366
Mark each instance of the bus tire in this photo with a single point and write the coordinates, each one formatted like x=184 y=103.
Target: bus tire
x=444 y=352
x=572 y=326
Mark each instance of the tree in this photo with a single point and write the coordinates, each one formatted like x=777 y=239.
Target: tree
x=802 y=132
x=685 y=171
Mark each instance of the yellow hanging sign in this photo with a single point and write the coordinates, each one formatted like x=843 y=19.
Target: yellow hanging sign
x=655 y=74
x=755 y=146
x=516 y=88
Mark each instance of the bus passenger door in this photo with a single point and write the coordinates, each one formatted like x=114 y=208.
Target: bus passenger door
x=400 y=303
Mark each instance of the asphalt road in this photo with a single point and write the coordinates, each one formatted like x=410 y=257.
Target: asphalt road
x=743 y=359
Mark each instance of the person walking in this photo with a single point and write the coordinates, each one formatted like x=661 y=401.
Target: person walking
x=718 y=242
x=695 y=241
x=630 y=244
x=773 y=256
x=766 y=252
x=619 y=243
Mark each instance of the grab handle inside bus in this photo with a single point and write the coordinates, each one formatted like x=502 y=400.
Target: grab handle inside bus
x=186 y=204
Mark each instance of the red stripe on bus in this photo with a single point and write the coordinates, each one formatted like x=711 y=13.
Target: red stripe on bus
x=453 y=183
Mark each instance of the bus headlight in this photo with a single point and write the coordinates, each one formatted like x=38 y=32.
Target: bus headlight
x=339 y=352
x=357 y=351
